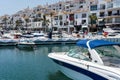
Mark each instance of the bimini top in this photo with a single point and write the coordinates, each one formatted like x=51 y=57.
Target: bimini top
x=95 y=43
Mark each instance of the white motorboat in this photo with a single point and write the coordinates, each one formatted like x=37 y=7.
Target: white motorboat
x=39 y=34
x=92 y=60
x=5 y=41
x=25 y=44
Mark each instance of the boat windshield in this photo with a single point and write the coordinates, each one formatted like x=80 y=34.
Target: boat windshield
x=79 y=53
x=110 y=55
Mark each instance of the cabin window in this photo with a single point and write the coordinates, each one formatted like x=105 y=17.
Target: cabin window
x=110 y=51
x=80 y=53
x=110 y=55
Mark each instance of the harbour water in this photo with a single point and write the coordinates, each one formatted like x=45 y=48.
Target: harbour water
x=25 y=64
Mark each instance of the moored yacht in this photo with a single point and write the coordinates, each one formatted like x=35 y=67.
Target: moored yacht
x=8 y=42
x=92 y=60
x=25 y=44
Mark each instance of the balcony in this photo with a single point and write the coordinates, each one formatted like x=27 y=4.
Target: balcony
x=110 y=15
x=101 y=8
x=101 y=15
x=113 y=22
x=115 y=14
x=109 y=21
x=117 y=21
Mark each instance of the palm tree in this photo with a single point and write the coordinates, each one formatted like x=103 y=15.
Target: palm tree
x=51 y=15
x=26 y=21
x=93 y=22
x=5 y=22
x=11 y=23
x=45 y=23
x=18 y=24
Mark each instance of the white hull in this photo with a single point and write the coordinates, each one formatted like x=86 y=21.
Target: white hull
x=73 y=74
x=7 y=42
x=79 y=70
x=89 y=61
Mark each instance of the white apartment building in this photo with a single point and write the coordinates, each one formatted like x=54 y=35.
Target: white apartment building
x=113 y=13
x=41 y=13
x=109 y=10
x=68 y=14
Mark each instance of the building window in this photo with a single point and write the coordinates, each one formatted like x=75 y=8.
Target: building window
x=71 y=17
x=75 y=22
x=110 y=5
x=117 y=20
x=109 y=13
x=71 y=5
x=61 y=23
x=67 y=23
x=102 y=14
x=39 y=24
x=93 y=7
x=39 y=15
x=83 y=21
x=66 y=16
x=82 y=1
x=67 y=7
x=76 y=16
x=90 y=2
x=109 y=20
x=56 y=23
x=60 y=17
x=81 y=6
x=71 y=22
x=118 y=12
x=84 y=15
x=56 y=18
x=102 y=6
x=60 y=5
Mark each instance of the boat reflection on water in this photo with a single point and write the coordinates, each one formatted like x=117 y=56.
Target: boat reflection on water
x=27 y=48
x=45 y=49
x=7 y=47
x=55 y=48
x=58 y=76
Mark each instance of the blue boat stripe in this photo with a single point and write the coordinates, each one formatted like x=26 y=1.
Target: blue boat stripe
x=80 y=70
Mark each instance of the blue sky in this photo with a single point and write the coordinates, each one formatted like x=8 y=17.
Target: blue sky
x=12 y=6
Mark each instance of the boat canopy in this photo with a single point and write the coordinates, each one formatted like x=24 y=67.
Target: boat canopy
x=95 y=43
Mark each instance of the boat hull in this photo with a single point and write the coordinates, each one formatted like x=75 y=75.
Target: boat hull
x=73 y=74
x=77 y=73
x=8 y=43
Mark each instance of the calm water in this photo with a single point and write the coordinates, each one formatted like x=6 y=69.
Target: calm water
x=19 y=64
